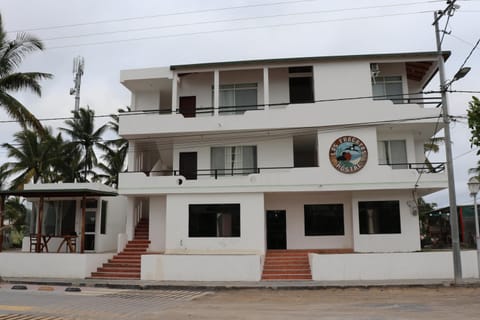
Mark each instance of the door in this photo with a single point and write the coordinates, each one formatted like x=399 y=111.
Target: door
x=276 y=229
x=90 y=224
x=188 y=165
x=301 y=90
x=187 y=106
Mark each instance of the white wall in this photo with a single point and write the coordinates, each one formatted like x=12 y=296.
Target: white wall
x=116 y=222
x=390 y=266
x=294 y=203
x=406 y=241
x=252 y=221
x=157 y=223
x=201 y=267
x=146 y=100
x=337 y=80
x=279 y=85
x=55 y=265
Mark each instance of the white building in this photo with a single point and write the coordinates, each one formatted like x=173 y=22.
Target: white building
x=229 y=160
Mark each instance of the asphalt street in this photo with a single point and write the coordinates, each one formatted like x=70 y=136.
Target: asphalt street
x=53 y=303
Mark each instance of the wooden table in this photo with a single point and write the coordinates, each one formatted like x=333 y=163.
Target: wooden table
x=67 y=240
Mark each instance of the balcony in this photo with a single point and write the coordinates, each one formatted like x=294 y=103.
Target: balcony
x=284 y=179
x=275 y=116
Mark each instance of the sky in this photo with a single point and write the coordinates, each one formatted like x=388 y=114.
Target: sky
x=114 y=35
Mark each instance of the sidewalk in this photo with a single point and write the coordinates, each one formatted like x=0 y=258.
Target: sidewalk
x=225 y=285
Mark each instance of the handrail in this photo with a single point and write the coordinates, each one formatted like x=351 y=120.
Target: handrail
x=423 y=167
x=214 y=172
x=400 y=99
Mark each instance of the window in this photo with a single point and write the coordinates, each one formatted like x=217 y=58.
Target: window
x=324 y=219
x=393 y=153
x=237 y=160
x=388 y=88
x=379 y=217
x=58 y=217
x=103 y=221
x=301 y=84
x=237 y=98
x=214 y=220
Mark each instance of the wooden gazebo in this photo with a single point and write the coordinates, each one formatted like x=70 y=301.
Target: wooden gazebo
x=55 y=190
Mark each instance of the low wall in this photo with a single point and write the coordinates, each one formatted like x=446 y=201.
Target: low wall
x=201 y=267
x=390 y=266
x=51 y=265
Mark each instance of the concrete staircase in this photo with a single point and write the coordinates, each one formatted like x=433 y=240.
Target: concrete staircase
x=292 y=264
x=126 y=264
x=286 y=265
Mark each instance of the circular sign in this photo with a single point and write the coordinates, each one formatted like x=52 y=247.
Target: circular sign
x=348 y=154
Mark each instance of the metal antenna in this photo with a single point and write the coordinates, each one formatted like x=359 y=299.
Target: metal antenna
x=78 y=66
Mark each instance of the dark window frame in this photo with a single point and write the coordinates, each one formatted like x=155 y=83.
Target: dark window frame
x=387 y=218
x=103 y=217
x=315 y=213
x=208 y=220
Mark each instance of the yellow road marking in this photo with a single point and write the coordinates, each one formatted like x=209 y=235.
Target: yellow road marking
x=14 y=308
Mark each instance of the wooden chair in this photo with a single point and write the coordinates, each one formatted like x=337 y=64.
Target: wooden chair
x=33 y=243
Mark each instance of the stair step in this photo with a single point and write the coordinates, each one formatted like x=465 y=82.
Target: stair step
x=287 y=277
x=103 y=275
x=119 y=269
x=121 y=264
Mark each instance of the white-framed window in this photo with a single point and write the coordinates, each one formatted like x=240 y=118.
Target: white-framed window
x=237 y=98
x=233 y=160
x=393 y=153
x=388 y=87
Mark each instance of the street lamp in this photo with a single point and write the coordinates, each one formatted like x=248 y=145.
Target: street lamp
x=474 y=187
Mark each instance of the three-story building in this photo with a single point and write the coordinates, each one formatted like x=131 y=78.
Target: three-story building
x=242 y=167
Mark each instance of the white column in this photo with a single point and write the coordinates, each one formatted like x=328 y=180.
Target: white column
x=216 y=91
x=174 y=92
x=266 y=88
x=131 y=156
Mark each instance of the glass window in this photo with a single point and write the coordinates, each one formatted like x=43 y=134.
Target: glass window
x=214 y=220
x=393 y=153
x=235 y=160
x=379 y=217
x=237 y=98
x=388 y=88
x=324 y=219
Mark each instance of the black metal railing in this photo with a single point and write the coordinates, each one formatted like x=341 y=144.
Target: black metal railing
x=215 y=173
x=423 y=167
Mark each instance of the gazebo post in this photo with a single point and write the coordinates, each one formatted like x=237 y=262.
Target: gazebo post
x=39 y=225
x=82 y=242
x=2 y=209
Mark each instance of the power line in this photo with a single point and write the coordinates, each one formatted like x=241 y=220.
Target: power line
x=225 y=20
x=470 y=54
x=234 y=29
x=216 y=10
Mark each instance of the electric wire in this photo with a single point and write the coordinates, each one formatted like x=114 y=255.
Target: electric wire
x=106 y=42
x=188 y=12
x=469 y=54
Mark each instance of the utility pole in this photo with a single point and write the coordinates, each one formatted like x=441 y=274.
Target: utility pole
x=78 y=65
x=457 y=263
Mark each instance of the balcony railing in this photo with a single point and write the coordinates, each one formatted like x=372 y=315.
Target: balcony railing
x=215 y=173
x=227 y=110
x=422 y=167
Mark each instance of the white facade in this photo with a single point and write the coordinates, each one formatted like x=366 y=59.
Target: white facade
x=240 y=142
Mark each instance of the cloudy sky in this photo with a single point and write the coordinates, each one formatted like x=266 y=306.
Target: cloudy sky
x=113 y=35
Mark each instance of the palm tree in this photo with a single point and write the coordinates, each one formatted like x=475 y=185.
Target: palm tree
x=432 y=146
x=82 y=131
x=114 y=153
x=114 y=163
x=12 y=52
x=33 y=157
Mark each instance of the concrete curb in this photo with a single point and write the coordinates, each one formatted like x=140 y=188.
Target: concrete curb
x=217 y=286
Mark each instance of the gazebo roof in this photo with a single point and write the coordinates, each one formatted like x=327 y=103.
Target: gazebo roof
x=62 y=190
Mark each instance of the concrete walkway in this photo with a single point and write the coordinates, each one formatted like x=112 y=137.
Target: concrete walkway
x=222 y=285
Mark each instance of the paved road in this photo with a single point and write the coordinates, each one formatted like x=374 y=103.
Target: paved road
x=40 y=303
x=331 y=304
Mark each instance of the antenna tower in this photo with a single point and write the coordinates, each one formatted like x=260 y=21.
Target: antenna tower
x=78 y=67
